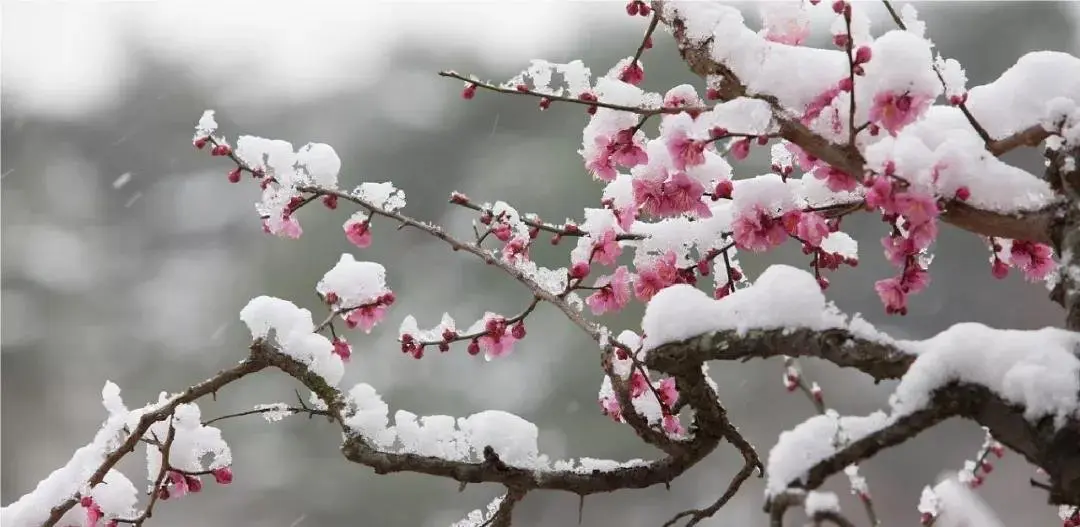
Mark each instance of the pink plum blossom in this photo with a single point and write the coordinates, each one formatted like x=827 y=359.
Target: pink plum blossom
x=685 y=151
x=1034 y=259
x=614 y=292
x=606 y=249
x=672 y=425
x=610 y=407
x=669 y=394
x=651 y=280
x=835 y=179
x=358 y=233
x=627 y=150
x=757 y=231
x=811 y=228
x=894 y=111
x=365 y=317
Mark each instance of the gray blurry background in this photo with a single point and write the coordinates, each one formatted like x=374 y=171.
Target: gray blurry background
x=127 y=255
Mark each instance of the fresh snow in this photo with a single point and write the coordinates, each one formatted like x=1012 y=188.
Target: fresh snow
x=813 y=441
x=782 y=296
x=820 y=502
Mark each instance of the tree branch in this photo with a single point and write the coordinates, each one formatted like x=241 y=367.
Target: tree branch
x=207 y=387
x=879 y=359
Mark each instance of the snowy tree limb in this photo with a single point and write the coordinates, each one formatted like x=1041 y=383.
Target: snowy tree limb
x=207 y=387
x=1032 y=225
x=1056 y=451
x=879 y=360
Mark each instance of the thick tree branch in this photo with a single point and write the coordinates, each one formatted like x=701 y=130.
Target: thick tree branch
x=491 y=469
x=1056 y=451
x=880 y=360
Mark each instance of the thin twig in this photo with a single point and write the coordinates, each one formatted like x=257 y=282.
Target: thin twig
x=156 y=491
x=573 y=100
x=648 y=36
x=290 y=409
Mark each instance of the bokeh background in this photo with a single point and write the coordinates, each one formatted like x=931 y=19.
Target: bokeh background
x=126 y=255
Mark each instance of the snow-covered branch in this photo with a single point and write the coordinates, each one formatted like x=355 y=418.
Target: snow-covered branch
x=739 y=72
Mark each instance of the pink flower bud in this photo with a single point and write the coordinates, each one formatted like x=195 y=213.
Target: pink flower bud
x=579 y=270
x=469 y=92
x=223 y=475
x=863 y=54
x=998 y=269
x=194 y=484
x=342 y=349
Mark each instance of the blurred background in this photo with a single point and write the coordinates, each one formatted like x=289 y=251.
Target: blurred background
x=126 y=255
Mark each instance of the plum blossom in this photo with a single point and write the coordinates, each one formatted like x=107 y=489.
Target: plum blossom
x=613 y=293
x=516 y=250
x=672 y=425
x=819 y=103
x=598 y=162
x=627 y=149
x=366 y=317
x=624 y=149
x=805 y=161
x=894 y=291
x=917 y=208
x=810 y=227
x=755 y=230
x=499 y=339
x=835 y=179
x=639 y=384
x=1034 y=259
x=669 y=394
x=740 y=149
x=675 y=194
x=606 y=249
x=684 y=150
x=609 y=406
x=880 y=194
x=358 y=230
x=893 y=111
x=651 y=280
x=287 y=227
x=683 y=95
x=342 y=349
